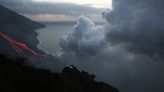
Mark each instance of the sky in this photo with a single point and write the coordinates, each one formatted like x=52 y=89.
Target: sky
x=129 y=51
x=59 y=10
x=92 y=3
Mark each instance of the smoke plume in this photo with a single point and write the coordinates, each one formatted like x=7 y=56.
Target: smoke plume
x=126 y=52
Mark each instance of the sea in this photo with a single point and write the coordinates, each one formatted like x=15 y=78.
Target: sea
x=50 y=35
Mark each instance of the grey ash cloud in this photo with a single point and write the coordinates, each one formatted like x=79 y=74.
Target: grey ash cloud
x=132 y=56
x=139 y=25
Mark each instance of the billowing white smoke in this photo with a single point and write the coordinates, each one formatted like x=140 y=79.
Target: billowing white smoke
x=86 y=38
x=125 y=52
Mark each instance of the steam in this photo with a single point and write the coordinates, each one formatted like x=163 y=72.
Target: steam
x=123 y=52
x=138 y=25
x=86 y=38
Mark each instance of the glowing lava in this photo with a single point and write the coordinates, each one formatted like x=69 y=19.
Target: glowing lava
x=20 y=47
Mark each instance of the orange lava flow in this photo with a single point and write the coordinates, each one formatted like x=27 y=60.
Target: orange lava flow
x=19 y=47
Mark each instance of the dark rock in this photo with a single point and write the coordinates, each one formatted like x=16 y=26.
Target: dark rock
x=17 y=77
x=19 y=28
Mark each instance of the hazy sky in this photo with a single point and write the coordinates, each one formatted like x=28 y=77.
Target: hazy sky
x=93 y=3
x=58 y=10
x=100 y=4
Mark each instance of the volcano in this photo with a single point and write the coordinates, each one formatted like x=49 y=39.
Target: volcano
x=18 y=39
x=17 y=35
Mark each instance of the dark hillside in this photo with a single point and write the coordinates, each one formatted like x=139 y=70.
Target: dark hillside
x=17 y=77
x=18 y=28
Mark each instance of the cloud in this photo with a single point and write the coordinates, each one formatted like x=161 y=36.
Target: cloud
x=84 y=33
x=50 y=17
x=127 y=52
x=35 y=8
x=138 y=25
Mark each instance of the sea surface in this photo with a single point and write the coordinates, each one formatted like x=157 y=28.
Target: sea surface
x=50 y=35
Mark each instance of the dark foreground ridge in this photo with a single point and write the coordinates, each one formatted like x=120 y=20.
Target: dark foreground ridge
x=17 y=77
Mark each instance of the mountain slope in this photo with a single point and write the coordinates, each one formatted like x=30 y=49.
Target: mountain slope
x=18 y=28
x=18 y=38
x=17 y=77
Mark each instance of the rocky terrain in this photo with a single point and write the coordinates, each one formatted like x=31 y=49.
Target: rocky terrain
x=17 y=77
x=18 y=28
